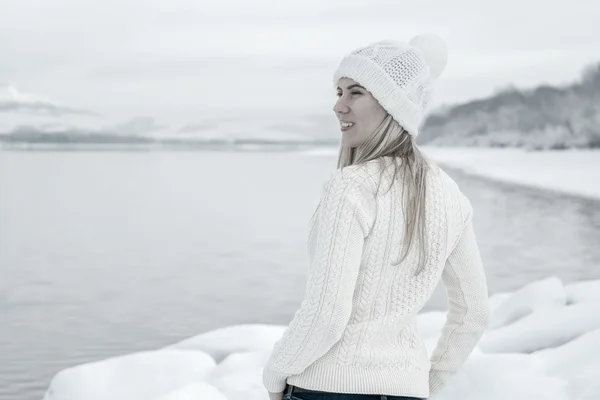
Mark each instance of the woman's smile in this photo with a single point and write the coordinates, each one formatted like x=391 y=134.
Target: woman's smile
x=345 y=125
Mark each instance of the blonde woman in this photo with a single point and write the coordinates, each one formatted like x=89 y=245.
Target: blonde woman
x=389 y=226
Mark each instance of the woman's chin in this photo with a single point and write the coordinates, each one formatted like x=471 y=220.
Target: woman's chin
x=349 y=141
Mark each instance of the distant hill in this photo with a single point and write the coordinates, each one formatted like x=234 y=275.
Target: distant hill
x=267 y=128
x=31 y=138
x=546 y=117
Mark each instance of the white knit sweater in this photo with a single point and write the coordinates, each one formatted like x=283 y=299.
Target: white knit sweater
x=355 y=331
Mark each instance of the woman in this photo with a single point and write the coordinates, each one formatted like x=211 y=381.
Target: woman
x=388 y=227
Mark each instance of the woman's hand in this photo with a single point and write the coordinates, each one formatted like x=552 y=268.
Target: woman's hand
x=275 y=396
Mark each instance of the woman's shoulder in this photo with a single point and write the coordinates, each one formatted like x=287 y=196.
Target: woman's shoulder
x=455 y=197
x=367 y=174
x=438 y=176
x=358 y=177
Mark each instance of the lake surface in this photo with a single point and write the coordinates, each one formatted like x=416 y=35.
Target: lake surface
x=105 y=253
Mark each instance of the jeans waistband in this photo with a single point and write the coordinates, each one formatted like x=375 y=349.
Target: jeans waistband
x=291 y=389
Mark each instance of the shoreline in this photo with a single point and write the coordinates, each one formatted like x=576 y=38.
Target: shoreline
x=571 y=172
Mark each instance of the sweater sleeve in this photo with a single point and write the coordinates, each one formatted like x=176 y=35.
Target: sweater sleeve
x=468 y=313
x=343 y=220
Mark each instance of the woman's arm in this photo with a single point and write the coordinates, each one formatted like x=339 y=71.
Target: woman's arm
x=468 y=314
x=344 y=218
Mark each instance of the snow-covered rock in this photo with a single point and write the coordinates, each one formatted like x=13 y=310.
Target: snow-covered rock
x=138 y=376
x=540 y=295
x=543 y=329
x=221 y=342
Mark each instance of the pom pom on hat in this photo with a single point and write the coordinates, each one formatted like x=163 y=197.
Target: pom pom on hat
x=435 y=51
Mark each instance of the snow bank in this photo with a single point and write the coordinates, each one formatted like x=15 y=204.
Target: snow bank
x=592 y=393
x=575 y=362
x=583 y=292
x=547 y=293
x=544 y=344
x=223 y=341
x=502 y=377
x=143 y=375
x=194 y=391
x=570 y=171
x=543 y=329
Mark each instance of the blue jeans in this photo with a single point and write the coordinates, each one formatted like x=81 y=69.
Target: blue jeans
x=338 y=396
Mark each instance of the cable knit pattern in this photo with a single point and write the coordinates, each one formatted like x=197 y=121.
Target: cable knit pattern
x=355 y=330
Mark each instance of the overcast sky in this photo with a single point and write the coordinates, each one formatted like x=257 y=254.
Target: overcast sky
x=176 y=59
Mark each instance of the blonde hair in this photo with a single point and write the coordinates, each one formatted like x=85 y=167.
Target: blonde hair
x=390 y=139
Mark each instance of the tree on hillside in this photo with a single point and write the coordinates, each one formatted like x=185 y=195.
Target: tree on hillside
x=541 y=118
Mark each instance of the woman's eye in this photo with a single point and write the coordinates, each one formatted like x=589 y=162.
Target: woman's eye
x=339 y=94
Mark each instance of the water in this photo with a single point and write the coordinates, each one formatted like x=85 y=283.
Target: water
x=106 y=253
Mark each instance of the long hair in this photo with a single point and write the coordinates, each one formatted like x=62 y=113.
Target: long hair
x=390 y=139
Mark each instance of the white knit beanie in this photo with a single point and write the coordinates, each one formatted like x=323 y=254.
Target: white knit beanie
x=399 y=75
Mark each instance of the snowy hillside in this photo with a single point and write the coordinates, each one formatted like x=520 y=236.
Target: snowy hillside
x=542 y=118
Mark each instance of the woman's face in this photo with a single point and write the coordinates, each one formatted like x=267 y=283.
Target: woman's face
x=357 y=107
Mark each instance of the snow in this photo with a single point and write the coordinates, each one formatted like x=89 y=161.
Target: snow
x=572 y=358
x=542 y=329
x=430 y=323
x=544 y=344
x=583 y=292
x=194 y=391
x=575 y=172
x=142 y=375
x=547 y=293
x=592 y=393
x=502 y=377
x=221 y=342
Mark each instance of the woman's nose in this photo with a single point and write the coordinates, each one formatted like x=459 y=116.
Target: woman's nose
x=340 y=107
